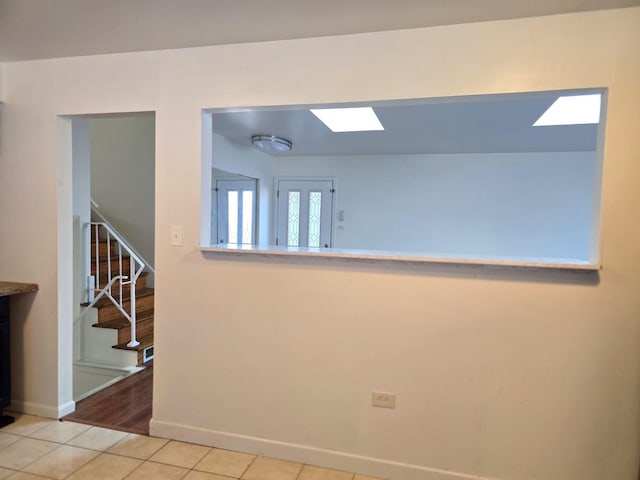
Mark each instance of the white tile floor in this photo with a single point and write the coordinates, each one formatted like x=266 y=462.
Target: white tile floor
x=36 y=448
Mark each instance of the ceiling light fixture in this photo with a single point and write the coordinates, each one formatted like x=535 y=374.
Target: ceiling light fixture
x=271 y=143
x=572 y=110
x=354 y=119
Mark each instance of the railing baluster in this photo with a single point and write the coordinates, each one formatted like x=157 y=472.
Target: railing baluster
x=97 y=266
x=120 y=270
x=132 y=295
x=109 y=276
x=136 y=266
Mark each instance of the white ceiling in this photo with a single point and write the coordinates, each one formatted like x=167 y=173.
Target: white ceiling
x=31 y=29
x=482 y=124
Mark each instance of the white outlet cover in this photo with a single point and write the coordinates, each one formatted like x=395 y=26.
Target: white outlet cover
x=176 y=235
x=383 y=399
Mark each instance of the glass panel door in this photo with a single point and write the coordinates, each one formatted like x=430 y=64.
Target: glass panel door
x=304 y=213
x=236 y=211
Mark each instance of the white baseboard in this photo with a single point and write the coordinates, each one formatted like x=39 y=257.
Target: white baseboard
x=128 y=368
x=41 y=410
x=377 y=467
x=66 y=408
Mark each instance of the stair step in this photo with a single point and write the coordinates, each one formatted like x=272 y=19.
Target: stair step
x=140 y=294
x=102 y=246
x=144 y=326
x=111 y=312
x=145 y=342
x=108 y=311
x=116 y=323
x=122 y=322
x=141 y=284
x=109 y=316
x=103 y=265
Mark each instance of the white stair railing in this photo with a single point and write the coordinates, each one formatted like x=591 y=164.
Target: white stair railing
x=100 y=287
x=96 y=214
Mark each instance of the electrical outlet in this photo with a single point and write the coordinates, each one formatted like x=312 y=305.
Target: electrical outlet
x=382 y=399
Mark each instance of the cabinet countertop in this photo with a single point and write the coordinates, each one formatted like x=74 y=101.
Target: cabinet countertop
x=15 y=288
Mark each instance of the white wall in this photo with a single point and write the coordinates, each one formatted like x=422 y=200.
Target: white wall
x=492 y=205
x=500 y=373
x=123 y=176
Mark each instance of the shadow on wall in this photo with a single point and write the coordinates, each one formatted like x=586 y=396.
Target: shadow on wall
x=443 y=270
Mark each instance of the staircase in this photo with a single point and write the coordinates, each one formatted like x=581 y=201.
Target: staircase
x=114 y=262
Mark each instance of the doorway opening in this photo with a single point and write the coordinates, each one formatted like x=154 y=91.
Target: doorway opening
x=113 y=203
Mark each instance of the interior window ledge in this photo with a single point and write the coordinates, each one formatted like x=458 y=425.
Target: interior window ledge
x=401 y=257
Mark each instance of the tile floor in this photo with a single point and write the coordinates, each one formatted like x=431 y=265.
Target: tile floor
x=35 y=448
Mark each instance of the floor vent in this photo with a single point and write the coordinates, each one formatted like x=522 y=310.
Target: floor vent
x=147 y=354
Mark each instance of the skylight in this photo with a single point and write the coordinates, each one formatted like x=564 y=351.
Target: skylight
x=358 y=119
x=572 y=110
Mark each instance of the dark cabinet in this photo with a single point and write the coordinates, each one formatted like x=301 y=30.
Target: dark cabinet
x=7 y=289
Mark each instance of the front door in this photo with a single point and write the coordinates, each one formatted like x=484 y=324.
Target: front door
x=304 y=213
x=236 y=211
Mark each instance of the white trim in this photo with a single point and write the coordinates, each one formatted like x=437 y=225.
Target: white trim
x=321 y=457
x=124 y=368
x=66 y=408
x=206 y=176
x=124 y=372
x=597 y=212
x=399 y=257
x=40 y=410
x=72 y=138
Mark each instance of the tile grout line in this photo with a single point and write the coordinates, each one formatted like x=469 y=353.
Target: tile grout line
x=41 y=456
x=137 y=468
x=255 y=457
x=60 y=445
x=105 y=452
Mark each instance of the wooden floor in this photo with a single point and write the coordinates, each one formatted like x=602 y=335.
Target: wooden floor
x=124 y=406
